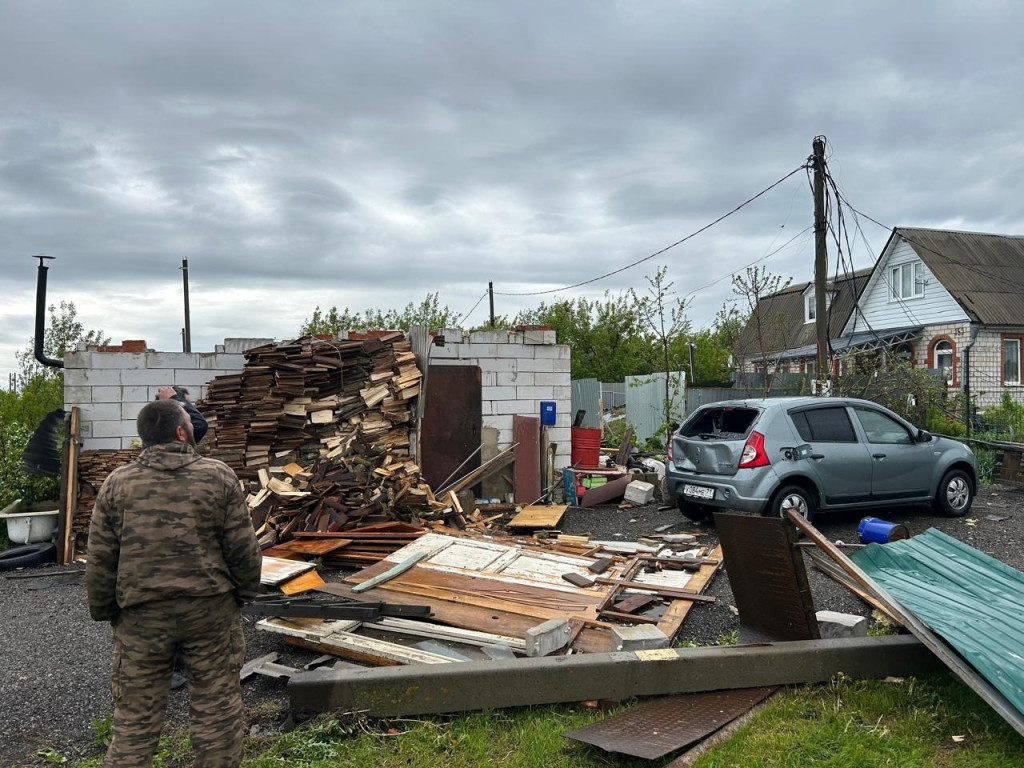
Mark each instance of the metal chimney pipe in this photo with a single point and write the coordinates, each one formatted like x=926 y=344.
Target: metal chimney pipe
x=41 y=314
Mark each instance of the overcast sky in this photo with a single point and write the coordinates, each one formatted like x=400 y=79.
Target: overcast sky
x=363 y=154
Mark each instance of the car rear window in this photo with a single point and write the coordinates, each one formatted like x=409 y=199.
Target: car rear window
x=721 y=423
x=824 y=425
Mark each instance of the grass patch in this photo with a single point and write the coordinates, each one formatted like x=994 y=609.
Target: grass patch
x=845 y=724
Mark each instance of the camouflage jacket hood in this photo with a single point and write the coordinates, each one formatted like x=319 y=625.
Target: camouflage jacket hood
x=168 y=457
x=171 y=524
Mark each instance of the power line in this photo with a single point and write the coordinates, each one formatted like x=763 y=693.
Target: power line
x=465 y=317
x=663 y=250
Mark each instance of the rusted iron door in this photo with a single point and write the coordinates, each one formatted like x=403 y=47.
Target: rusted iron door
x=451 y=426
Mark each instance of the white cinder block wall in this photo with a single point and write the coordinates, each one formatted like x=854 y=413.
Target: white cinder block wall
x=110 y=384
x=519 y=370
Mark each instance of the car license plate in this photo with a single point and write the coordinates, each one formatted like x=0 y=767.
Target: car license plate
x=698 y=492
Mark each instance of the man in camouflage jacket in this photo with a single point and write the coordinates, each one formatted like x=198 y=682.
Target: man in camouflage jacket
x=172 y=555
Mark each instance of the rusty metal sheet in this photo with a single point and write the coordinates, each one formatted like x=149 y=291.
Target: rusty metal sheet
x=452 y=422
x=526 y=436
x=768 y=578
x=659 y=726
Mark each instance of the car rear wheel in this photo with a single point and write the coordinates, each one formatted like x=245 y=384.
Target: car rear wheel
x=955 y=495
x=792 y=497
x=692 y=511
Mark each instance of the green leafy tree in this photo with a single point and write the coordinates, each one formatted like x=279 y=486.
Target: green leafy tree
x=428 y=312
x=606 y=336
x=63 y=332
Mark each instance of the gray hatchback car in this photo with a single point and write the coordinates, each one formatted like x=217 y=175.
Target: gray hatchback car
x=810 y=454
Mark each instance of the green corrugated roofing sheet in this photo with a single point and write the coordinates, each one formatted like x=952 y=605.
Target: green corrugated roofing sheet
x=975 y=602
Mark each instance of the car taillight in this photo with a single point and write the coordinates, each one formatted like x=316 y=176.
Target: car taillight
x=753 y=452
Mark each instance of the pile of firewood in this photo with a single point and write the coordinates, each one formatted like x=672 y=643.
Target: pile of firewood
x=93 y=468
x=321 y=429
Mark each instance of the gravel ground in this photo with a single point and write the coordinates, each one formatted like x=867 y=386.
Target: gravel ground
x=56 y=661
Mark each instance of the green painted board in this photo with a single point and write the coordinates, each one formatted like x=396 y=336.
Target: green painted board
x=973 y=601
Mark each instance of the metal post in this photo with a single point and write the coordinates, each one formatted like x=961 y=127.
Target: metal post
x=490 y=291
x=187 y=337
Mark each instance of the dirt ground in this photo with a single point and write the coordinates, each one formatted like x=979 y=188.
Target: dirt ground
x=56 y=661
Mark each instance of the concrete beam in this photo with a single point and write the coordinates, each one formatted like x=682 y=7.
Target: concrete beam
x=435 y=688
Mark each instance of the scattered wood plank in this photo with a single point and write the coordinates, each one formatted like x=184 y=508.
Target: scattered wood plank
x=538 y=516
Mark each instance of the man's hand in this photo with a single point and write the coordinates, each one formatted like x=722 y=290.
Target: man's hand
x=165 y=393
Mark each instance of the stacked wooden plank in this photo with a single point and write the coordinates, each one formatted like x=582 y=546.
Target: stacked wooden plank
x=93 y=468
x=321 y=430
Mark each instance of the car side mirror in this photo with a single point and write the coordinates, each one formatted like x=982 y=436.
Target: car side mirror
x=923 y=436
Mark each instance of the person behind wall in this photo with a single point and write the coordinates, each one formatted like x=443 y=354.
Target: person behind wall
x=180 y=395
x=172 y=556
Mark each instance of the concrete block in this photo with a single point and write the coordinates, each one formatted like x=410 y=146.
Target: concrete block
x=101 y=443
x=189 y=360
x=190 y=378
x=538 y=337
x=489 y=337
x=120 y=360
x=113 y=429
x=832 y=624
x=147 y=376
x=560 y=435
x=641 y=637
x=448 y=351
x=448 y=361
x=538 y=365
x=499 y=365
x=77 y=358
x=548 y=637
x=101 y=412
x=499 y=393
x=239 y=345
x=478 y=350
x=516 y=350
x=500 y=422
x=75 y=377
x=639 y=492
x=563 y=365
x=564 y=391
x=501 y=407
x=515 y=378
x=137 y=394
x=130 y=411
x=77 y=395
x=130 y=442
x=553 y=379
x=489 y=378
x=232 y=363
x=106 y=394
x=535 y=393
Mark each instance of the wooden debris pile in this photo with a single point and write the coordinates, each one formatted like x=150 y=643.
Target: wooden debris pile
x=322 y=430
x=93 y=468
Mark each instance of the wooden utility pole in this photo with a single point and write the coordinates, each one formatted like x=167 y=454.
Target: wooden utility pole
x=490 y=291
x=820 y=260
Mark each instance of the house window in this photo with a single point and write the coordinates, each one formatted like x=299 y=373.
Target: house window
x=1011 y=360
x=907 y=281
x=811 y=307
x=942 y=359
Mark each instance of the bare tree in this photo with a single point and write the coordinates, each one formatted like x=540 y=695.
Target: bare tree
x=757 y=290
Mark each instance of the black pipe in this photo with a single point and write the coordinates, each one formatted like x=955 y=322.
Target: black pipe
x=41 y=314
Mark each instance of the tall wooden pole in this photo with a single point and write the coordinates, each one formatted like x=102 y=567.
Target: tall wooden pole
x=490 y=291
x=820 y=258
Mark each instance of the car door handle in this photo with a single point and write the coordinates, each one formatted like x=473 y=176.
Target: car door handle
x=878 y=455
x=818 y=456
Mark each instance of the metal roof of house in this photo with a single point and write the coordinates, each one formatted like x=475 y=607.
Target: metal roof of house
x=975 y=602
x=857 y=342
x=983 y=272
x=782 y=317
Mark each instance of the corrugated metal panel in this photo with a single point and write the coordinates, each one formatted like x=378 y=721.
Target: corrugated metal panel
x=985 y=273
x=645 y=402
x=975 y=602
x=586 y=395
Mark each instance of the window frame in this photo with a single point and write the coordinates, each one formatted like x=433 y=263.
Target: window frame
x=1008 y=338
x=916 y=281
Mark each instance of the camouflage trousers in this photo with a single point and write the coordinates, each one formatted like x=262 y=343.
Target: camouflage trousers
x=146 y=639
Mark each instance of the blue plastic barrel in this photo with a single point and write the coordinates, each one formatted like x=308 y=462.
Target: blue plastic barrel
x=874 y=531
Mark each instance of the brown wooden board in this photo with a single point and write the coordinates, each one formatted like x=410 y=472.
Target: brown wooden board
x=526 y=436
x=768 y=578
x=304 y=583
x=452 y=422
x=538 y=516
x=674 y=616
x=276 y=570
x=311 y=547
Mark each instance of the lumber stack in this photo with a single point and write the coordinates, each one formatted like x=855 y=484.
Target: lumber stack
x=93 y=468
